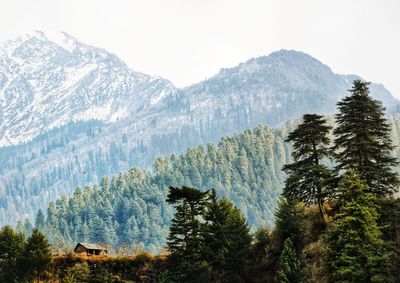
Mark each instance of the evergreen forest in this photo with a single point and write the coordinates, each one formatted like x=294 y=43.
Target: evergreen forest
x=130 y=208
x=313 y=201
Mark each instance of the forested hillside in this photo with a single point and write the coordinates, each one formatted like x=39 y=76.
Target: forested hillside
x=82 y=113
x=131 y=207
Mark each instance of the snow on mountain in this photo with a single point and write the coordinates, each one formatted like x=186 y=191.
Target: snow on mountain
x=46 y=82
x=49 y=80
x=271 y=89
x=74 y=113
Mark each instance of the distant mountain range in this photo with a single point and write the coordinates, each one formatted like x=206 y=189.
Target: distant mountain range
x=71 y=113
x=45 y=84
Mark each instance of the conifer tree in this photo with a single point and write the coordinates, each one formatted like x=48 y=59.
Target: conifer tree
x=355 y=250
x=185 y=236
x=262 y=244
x=40 y=220
x=226 y=240
x=307 y=177
x=289 y=265
x=389 y=210
x=289 y=221
x=36 y=256
x=264 y=254
x=363 y=140
x=11 y=247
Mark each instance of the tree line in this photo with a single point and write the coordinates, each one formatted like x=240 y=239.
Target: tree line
x=330 y=222
x=21 y=259
x=130 y=208
x=335 y=222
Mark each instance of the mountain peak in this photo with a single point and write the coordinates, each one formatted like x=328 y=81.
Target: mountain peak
x=43 y=71
x=283 y=65
x=59 y=38
x=32 y=34
x=287 y=57
x=63 y=40
x=289 y=52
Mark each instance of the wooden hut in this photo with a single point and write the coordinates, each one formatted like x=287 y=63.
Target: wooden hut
x=90 y=249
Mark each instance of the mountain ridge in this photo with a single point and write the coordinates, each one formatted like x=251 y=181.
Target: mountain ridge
x=89 y=63
x=93 y=83
x=103 y=121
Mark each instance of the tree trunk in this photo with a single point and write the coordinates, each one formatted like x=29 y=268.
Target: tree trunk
x=321 y=210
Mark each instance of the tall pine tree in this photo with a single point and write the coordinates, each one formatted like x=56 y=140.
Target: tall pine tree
x=290 y=218
x=11 y=247
x=289 y=265
x=226 y=241
x=307 y=177
x=36 y=256
x=185 y=236
x=355 y=250
x=363 y=140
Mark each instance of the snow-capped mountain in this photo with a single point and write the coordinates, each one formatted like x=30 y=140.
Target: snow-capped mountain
x=46 y=83
x=274 y=88
x=71 y=113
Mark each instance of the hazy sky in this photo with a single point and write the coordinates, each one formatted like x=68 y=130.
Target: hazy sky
x=187 y=41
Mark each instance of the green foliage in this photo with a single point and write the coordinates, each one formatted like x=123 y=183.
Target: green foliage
x=11 y=247
x=362 y=140
x=185 y=236
x=143 y=258
x=40 y=220
x=21 y=260
x=289 y=265
x=226 y=241
x=290 y=221
x=131 y=208
x=262 y=244
x=36 y=256
x=74 y=268
x=265 y=253
x=389 y=220
x=78 y=273
x=100 y=273
x=24 y=227
x=308 y=179
x=209 y=238
x=355 y=250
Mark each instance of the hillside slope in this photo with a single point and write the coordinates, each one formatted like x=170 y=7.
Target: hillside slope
x=71 y=113
x=131 y=208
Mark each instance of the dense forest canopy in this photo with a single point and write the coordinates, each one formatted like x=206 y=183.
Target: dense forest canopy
x=131 y=208
x=332 y=222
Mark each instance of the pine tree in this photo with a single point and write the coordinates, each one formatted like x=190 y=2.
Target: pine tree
x=36 y=256
x=307 y=177
x=105 y=183
x=185 y=236
x=289 y=265
x=389 y=210
x=289 y=222
x=363 y=140
x=11 y=247
x=355 y=250
x=262 y=244
x=40 y=220
x=227 y=240
x=264 y=255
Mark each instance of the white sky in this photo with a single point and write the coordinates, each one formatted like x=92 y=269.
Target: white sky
x=187 y=41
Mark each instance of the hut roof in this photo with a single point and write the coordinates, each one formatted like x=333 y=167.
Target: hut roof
x=90 y=246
